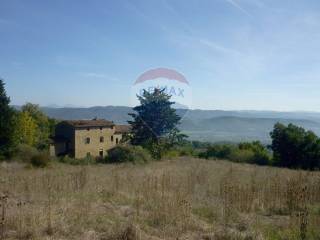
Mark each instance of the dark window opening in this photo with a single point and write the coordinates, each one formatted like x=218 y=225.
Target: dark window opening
x=87 y=140
x=88 y=154
x=111 y=138
x=101 y=153
x=117 y=140
x=101 y=139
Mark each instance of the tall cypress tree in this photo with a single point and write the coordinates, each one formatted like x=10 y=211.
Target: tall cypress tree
x=6 y=122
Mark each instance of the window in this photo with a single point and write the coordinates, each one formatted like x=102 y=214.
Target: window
x=111 y=138
x=101 y=153
x=88 y=154
x=87 y=140
x=101 y=139
x=117 y=140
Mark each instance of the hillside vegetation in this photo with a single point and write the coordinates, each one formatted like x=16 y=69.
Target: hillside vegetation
x=205 y=125
x=179 y=199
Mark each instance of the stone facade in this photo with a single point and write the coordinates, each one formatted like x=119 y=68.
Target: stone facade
x=83 y=138
x=93 y=141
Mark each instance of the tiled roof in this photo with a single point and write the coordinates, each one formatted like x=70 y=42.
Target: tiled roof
x=123 y=128
x=90 y=123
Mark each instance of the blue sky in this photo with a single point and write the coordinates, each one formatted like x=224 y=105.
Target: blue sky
x=236 y=54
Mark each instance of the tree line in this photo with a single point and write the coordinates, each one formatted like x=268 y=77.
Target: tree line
x=291 y=147
x=155 y=130
x=154 y=127
x=27 y=126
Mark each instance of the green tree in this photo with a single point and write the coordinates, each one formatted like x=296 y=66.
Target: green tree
x=295 y=147
x=43 y=124
x=221 y=151
x=154 y=123
x=6 y=122
x=26 y=131
x=261 y=156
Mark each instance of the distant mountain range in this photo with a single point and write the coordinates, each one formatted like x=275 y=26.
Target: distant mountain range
x=205 y=125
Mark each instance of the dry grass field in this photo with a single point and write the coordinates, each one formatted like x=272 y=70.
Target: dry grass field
x=175 y=199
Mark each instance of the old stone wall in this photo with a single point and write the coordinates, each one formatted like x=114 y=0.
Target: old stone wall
x=95 y=146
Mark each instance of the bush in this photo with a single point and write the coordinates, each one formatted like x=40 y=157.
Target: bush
x=172 y=154
x=82 y=161
x=247 y=152
x=222 y=151
x=242 y=155
x=25 y=153
x=179 y=151
x=261 y=154
x=262 y=158
x=186 y=151
x=40 y=160
x=66 y=159
x=133 y=154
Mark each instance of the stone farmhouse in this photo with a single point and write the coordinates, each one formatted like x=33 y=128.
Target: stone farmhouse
x=84 y=138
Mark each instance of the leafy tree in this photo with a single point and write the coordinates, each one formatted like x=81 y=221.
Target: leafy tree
x=260 y=156
x=6 y=122
x=295 y=147
x=43 y=124
x=155 y=122
x=26 y=131
x=221 y=151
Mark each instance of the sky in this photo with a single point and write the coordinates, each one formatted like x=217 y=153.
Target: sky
x=236 y=54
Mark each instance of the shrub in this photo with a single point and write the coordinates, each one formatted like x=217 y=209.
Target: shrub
x=85 y=161
x=222 y=151
x=82 y=161
x=25 y=153
x=179 y=151
x=66 y=159
x=172 y=154
x=247 y=152
x=40 y=160
x=261 y=154
x=186 y=151
x=133 y=154
x=261 y=158
x=241 y=155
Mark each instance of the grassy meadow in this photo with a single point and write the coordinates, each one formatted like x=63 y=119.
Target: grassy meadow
x=181 y=198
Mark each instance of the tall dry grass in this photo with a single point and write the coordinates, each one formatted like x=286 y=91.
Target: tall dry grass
x=177 y=199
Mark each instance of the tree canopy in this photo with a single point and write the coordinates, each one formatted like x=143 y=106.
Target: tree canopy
x=155 y=122
x=6 y=122
x=295 y=147
x=41 y=121
x=26 y=129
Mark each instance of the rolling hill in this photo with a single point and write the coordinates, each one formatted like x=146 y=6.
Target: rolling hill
x=205 y=125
